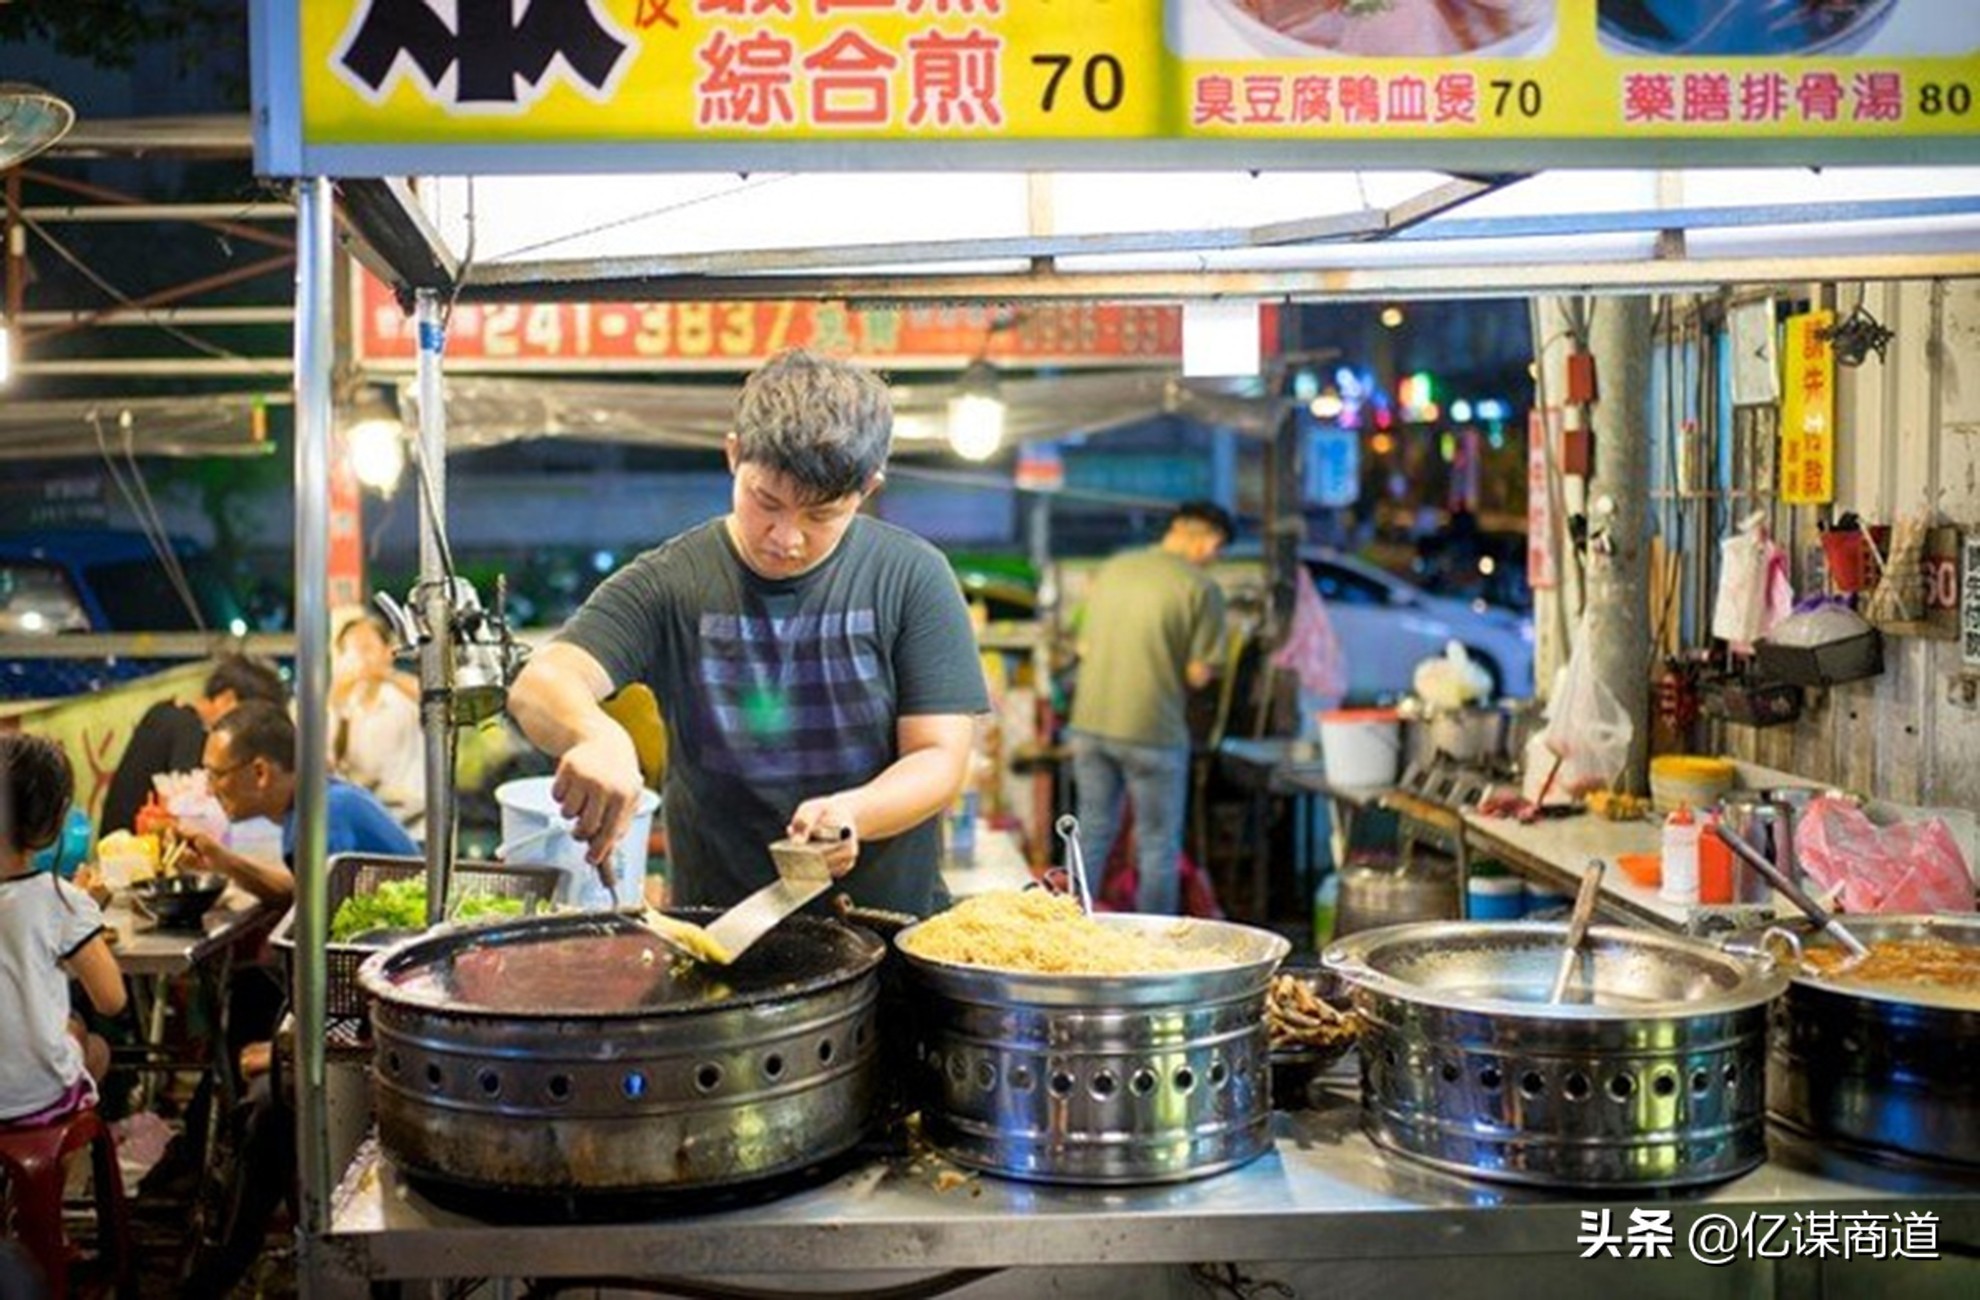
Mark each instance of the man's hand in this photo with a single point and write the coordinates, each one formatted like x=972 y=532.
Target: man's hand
x=598 y=787
x=266 y=881
x=833 y=821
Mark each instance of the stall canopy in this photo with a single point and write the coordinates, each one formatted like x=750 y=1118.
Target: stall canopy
x=1270 y=236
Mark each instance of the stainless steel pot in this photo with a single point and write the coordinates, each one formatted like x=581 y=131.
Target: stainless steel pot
x=1890 y=1068
x=1650 y=1077
x=1768 y=828
x=1373 y=897
x=570 y=1056
x=1100 y=1079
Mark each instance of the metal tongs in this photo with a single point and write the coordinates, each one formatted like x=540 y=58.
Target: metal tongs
x=1584 y=911
x=1068 y=829
x=1779 y=879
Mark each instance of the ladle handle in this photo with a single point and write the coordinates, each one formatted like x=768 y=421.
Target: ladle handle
x=1584 y=911
x=1068 y=828
x=1795 y=893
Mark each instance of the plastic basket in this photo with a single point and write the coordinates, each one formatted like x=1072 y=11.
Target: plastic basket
x=355 y=874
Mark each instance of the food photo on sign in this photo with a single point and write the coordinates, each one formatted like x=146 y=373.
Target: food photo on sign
x=1785 y=28
x=1361 y=28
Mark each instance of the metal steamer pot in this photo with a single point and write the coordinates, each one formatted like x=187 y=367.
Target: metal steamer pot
x=1893 y=1069
x=1653 y=1081
x=571 y=1057
x=1100 y=1079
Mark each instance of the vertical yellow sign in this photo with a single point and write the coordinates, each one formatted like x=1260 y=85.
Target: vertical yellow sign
x=1808 y=412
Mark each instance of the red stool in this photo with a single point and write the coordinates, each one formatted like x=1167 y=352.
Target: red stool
x=31 y=1165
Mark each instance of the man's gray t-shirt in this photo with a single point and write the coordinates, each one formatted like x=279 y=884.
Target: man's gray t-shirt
x=777 y=691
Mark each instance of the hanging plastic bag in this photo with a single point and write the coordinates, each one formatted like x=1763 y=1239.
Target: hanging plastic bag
x=1312 y=652
x=1913 y=867
x=1754 y=591
x=1588 y=730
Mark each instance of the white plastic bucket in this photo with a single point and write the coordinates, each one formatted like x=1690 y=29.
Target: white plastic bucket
x=528 y=810
x=1361 y=747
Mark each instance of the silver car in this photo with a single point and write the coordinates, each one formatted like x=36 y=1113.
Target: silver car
x=1387 y=626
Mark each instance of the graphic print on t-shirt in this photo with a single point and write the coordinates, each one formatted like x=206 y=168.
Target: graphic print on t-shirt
x=798 y=698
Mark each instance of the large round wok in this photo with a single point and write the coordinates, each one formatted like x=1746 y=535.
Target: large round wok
x=1889 y=1068
x=572 y=1056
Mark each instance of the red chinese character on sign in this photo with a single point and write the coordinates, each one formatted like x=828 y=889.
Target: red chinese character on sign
x=1707 y=97
x=1649 y=97
x=956 y=6
x=1409 y=100
x=748 y=81
x=849 y=83
x=1879 y=96
x=1457 y=97
x=1313 y=99
x=651 y=12
x=1264 y=99
x=745 y=8
x=1216 y=100
x=955 y=78
x=1820 y=95
x=1763 y=97
x=1361 y=99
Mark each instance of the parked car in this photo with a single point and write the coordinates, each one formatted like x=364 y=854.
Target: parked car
x=1387 y=626
x=64 y=581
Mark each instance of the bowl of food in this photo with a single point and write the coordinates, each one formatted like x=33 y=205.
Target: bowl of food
x=179 y=902
x=1738 y=28
x=1378 y=29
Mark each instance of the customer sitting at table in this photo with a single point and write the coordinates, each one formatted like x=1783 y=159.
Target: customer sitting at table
x=50 y=931
x=250 y=765
x=171 y=736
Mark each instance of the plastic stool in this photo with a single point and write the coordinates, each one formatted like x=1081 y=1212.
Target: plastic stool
x=31 y=1161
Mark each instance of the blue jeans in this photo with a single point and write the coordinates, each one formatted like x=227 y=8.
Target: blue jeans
x=1156 y=777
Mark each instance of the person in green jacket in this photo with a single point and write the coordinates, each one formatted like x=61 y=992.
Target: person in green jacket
x=1151 y=631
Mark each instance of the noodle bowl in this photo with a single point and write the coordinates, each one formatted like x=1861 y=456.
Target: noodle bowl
x=1394 y=28
x=1040 y=933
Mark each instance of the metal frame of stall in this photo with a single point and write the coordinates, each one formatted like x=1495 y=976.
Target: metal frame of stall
x=1335 y=1195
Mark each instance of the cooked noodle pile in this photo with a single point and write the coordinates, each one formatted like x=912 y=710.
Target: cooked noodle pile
x=1928 y=962
x=1045 y=934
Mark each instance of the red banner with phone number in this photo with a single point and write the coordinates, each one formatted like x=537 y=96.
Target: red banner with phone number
x=738 y=335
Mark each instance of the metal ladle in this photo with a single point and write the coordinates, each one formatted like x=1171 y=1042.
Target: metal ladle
x=1796 y=895
x=1068 y=829
x=1584 y=911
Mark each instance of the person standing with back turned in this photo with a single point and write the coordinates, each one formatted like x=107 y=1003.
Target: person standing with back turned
x=815 y=667
x=1150 y=633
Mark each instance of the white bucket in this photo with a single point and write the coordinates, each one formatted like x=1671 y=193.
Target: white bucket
x=528 y=810
x=1361 y=747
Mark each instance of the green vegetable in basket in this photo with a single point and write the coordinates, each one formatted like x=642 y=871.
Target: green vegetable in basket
x=401 y=905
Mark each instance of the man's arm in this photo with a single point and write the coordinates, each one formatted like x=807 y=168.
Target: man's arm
x=924 y=780
x=555 y=702
x=265 y=880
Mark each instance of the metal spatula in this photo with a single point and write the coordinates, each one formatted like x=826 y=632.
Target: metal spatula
x=801 y=876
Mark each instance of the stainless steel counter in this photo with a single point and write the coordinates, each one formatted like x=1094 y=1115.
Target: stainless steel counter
x=1326 y=1193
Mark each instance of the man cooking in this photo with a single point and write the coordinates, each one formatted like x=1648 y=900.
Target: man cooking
x=815 y=668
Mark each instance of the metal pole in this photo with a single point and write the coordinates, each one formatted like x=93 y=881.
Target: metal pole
x=313 y=429
x=436 y=599
x=1619 y=526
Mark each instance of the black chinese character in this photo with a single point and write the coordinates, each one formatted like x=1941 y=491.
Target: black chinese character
x=492 y=48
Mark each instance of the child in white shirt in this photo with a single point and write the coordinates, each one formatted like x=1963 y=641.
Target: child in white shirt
x=50 y=931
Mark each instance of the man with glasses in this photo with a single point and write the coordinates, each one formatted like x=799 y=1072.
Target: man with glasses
x=250 y=762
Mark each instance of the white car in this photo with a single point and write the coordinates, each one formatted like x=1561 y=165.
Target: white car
x=1387 y=626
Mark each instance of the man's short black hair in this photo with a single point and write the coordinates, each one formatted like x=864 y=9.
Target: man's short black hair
x=248 y=678
x=259 y=729
x=1207 y=513
x=37 y=784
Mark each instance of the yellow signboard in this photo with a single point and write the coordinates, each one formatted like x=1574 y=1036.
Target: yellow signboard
x=1619 y=75
x=1808 y=412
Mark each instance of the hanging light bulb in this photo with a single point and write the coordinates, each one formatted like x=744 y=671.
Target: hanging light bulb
x=376 y=441
x=976 y=413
